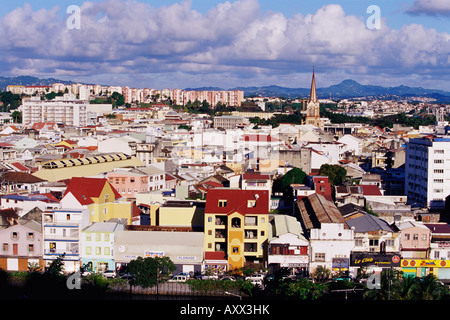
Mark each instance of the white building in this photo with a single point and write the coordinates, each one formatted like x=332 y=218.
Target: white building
x=331 y=246
x=66 y=110
x=61 y=236
x=427 y=171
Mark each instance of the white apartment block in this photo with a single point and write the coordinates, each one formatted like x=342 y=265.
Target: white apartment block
x=65 y=110
x=427 y=171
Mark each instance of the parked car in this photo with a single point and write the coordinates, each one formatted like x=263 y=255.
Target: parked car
x=227 y=278
x=109 y=274
x=256 y=276
x=208 y=277
x=126 y=276
x=178 y=278
x=343 y=278
x=187 y=275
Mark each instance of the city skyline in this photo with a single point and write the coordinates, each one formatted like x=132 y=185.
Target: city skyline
x=179 y=44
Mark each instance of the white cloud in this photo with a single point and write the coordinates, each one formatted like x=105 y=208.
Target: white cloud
x=430 y=7
x=234 y=40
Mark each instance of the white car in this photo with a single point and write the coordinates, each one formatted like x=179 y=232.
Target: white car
x=109 y=274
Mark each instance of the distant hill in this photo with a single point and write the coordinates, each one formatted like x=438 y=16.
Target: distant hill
x=347 y=89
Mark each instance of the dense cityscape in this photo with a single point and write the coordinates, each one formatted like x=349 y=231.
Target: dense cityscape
x=201 y=193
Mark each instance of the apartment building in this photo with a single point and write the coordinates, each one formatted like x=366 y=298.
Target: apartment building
x=427 y=171
x=236 y=227
x=66 y=110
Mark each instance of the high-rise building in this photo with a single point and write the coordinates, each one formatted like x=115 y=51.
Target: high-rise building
x=427 y=171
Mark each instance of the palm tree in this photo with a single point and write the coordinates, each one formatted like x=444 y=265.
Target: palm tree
x=405 y=289
x=429 y=288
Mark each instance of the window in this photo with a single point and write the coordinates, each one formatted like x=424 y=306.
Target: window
x=235 y=250
x=358 y=242
x=373 y=242
x=319 y=257
x=5 y=247
x=407 y=236
x=15 y=236
x=88 y=250
x=251 y=203
x=424 y=237
x=250 y=220
x=415 y=236
x=98 y=250
x=236 y=223
x=107 y=251
x=30 y=248
x=30 y=236
x=222 y=203
x=98 y=237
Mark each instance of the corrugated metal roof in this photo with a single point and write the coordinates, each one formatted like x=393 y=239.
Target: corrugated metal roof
x=316 y=209
x=368 y=223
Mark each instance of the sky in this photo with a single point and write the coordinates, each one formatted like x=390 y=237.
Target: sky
x=195 y=43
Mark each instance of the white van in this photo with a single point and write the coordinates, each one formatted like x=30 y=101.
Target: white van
x=178 y=278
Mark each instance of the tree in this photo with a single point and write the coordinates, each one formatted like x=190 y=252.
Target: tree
x=147 y=272
x=295 y=175
x=335 y=173
x=16 y=116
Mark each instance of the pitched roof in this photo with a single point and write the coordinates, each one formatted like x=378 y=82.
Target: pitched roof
x=316 y=209
x=237 y=201
x=20 y=177
x=84 y=189
x=370 y=190
x=368 y=222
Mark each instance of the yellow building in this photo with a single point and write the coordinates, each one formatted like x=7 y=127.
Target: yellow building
x=98 y=196
x=236 y=227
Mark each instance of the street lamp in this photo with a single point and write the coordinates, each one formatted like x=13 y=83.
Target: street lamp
x=233 y=294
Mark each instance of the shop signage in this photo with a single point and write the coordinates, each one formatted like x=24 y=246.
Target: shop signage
x=419 y=263
x=150 y=253
x=339 y=263
x=379 y=260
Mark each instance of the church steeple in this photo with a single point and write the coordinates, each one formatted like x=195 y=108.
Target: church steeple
x=313 y=92
x=312 y=114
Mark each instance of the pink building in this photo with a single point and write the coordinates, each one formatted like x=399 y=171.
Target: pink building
x=415 y=240
x=128 y=183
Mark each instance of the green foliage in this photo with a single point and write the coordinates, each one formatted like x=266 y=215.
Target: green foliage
x=10 y=101
x=295 y=175
x=148 y=271
x=394 y=286
x=303 y=289
x=321 y=274
x=215 y=285
x=335 y=173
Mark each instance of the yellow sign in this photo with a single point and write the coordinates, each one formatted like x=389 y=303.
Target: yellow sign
x=419 y=263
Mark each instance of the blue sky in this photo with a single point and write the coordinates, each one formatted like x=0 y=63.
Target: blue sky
x=178 y=44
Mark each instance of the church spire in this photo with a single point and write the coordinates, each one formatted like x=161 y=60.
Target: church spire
x=313 y=92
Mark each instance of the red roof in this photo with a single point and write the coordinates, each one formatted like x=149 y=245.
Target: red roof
x=84 y=189
x=370 y=190
x=215 y=255
x=237 y=201
x=259 y=137
x=255 y=176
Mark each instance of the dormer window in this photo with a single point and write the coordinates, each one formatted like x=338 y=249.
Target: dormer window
x=222 y=203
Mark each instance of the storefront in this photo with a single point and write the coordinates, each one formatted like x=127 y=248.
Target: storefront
x=375 y=261
x=422 y=267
